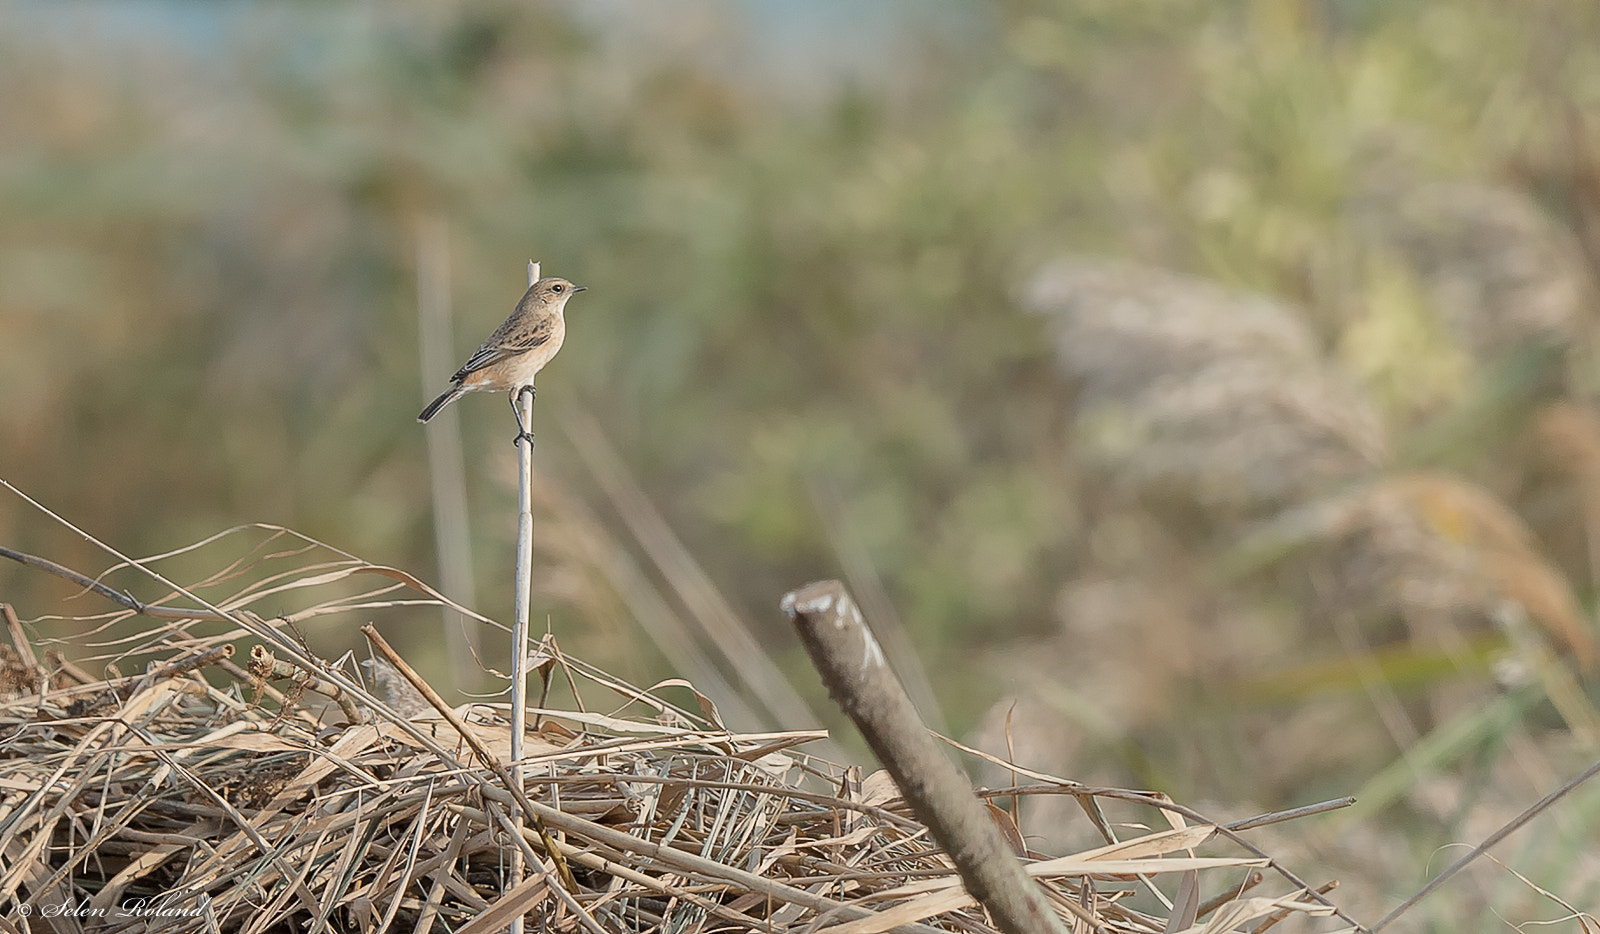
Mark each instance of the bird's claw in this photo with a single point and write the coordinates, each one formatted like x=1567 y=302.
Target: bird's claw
x=517 y=411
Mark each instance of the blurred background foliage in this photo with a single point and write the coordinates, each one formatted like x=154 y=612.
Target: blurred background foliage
x=1204 y=393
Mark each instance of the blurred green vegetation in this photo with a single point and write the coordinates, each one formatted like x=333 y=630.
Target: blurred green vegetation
x=805 y=317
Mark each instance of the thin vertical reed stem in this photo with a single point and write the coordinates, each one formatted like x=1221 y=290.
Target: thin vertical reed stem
x=524 y=585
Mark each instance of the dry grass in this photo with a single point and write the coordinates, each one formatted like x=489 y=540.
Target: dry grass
x=286 y=796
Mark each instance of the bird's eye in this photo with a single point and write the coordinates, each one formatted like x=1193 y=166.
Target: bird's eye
x=556 y=288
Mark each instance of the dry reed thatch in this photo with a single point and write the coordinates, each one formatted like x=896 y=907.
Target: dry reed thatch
x=1224 y=402
x=1188 y=391
x=202 y=796
x=1251 y=473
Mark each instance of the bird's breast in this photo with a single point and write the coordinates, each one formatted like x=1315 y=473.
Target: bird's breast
x=521 y=369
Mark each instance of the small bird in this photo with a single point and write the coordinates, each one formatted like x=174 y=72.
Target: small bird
x=517 y=350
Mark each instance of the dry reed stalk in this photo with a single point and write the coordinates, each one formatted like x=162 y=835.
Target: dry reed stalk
x=447 y=479
x=523 y=405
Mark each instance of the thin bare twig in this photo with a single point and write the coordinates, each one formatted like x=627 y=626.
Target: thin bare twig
x=125 y=600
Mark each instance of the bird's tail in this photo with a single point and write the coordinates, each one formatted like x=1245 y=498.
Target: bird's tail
x=448 y=396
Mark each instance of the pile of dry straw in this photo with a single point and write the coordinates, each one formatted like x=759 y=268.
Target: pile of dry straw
x=293 y=794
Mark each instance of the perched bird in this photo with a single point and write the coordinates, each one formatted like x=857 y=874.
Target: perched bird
x=517 y=350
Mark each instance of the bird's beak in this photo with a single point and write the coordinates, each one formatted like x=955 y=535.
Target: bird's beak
x=579 y=288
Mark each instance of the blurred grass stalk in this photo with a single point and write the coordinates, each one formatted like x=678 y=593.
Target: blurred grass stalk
x=867 y=583
x=749 y=662
x=446 y=465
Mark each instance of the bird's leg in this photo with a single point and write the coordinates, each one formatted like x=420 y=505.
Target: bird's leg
x=517 y=412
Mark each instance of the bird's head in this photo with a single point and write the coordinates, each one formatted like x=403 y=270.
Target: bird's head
x=553 y=290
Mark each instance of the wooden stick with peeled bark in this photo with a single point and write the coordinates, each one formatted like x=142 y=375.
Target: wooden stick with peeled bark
x=858 y=678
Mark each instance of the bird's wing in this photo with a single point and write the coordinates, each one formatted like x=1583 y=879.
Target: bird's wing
x=505 y=343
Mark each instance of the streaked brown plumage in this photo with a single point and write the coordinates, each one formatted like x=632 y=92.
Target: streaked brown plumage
x=517 y=350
